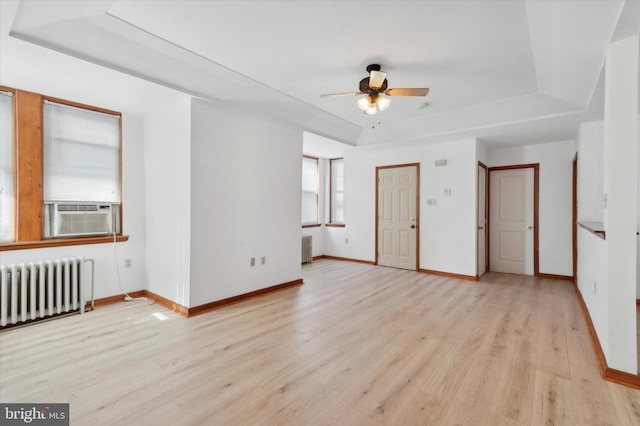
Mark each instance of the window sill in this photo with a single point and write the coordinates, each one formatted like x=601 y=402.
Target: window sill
x=335 y=225
x=60 y=242
x=312 y=225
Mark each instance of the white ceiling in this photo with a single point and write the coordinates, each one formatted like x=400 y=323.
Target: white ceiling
x=509 y=72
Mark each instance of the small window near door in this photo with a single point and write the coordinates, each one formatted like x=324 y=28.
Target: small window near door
x=336 y=200
x=310 y=186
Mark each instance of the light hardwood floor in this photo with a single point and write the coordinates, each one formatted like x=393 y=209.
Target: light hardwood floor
x=355 y=345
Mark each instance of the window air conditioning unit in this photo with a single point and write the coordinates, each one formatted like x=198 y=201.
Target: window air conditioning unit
x=80 y=219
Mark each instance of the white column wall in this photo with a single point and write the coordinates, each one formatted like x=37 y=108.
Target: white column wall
x=620 y=186
x=245 y=202
x=168 y=201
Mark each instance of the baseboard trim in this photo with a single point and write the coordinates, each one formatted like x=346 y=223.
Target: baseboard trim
x=197 y=310
x=114 y=299
x=555 y=277
x=608 y=374
x=169 y=304
x=449 y=274
x=344 y=259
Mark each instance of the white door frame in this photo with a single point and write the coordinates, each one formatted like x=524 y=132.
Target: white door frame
x=417 y=201
x=536 y=192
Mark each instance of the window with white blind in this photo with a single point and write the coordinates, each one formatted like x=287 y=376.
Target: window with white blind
x=7 y=170
x=310 y=183
x=337 y=191
x=81 y=152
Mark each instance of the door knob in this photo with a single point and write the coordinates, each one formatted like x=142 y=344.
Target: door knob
x=529 y=226
x=413 y=226
x=480 y=227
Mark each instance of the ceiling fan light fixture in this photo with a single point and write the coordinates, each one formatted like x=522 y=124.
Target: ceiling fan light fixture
x=364 y=103
x=383 y=103
x=371 y=106
x=371 y=110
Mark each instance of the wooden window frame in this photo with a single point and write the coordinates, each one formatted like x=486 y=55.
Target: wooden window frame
x=28 y=151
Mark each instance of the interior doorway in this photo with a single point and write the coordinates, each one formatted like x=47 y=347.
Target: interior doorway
x=397 y=216
x=513 y=219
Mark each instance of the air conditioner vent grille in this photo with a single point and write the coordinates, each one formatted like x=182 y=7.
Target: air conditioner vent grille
x=77 y=207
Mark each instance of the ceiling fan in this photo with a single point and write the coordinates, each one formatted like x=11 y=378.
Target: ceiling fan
x=374 y=87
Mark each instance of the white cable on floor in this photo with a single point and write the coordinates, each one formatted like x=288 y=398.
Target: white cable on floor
x=127 y=297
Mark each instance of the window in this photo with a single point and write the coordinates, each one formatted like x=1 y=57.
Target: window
x=309 y=190
x=337 y=191
x=81 y=155
x=7 y=173
x=60 y=164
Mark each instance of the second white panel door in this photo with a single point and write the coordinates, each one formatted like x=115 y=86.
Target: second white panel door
x=511 y=221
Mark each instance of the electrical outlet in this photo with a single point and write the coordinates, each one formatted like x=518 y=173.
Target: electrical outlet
x=263 y=260
x=595 y=287
x=127 y=263
x=431 y=202
x=346 y=241
x=252 y=262
x=447 y=192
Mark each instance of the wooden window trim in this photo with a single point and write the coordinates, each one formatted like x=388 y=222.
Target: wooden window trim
x=335 y=225
x=61 y=242
x=311 y=225
x=28 y=149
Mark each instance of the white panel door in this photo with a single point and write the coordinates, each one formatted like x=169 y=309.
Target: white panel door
x=482 y=220
x=511 y=221
x=397 y=221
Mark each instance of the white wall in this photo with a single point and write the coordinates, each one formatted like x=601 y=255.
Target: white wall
x=555 y=210
x=447 y=230
x=106 y=277
x=167 y=166
x=593 y=282
x=245 y=202
x=591 y=171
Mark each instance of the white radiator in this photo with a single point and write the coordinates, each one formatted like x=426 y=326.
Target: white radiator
x=36 y=290
x=307 y=249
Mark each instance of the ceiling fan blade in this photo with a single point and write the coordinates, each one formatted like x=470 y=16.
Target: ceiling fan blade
x=336 y=95
x=407 y=92
x=376 y=78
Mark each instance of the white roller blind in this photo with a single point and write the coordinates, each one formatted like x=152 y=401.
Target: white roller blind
x=81 y=155
x=309 y=190
x=7 y=173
